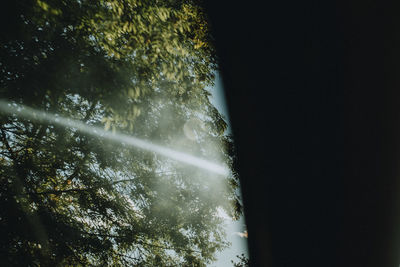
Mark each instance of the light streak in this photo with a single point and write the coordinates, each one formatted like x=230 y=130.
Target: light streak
x=33 y=114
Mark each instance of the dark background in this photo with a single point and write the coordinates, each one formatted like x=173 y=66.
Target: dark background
x=313 y=94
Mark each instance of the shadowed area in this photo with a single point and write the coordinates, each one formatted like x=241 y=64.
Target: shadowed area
x=312 y=90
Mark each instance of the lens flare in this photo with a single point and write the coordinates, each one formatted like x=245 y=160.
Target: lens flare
x=33 y=114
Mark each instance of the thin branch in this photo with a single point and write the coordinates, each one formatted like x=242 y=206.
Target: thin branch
x=74 y=190
x=144 y=243
x=89 y=111
x=57 y=192
x=4 y=138
x=126 y=256
x=144 y=176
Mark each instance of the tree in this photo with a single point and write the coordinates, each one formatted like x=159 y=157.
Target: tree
x=135 y=67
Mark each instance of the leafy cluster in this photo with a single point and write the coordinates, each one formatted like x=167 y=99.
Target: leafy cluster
x=136 y=67
x=243 y=261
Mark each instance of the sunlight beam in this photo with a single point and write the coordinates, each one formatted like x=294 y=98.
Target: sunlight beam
x=33 y=114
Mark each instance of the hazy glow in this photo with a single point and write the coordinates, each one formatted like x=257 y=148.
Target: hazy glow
x=30 y=113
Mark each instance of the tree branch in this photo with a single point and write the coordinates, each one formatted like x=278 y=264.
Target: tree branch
x=89 y=111
x=57 y=192
x=8 y=147
x=144 y=243
x=74 y=190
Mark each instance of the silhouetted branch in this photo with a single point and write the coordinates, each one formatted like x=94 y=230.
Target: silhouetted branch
x=144 y=243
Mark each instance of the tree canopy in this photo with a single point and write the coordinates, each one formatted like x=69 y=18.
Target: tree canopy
x=140 y=68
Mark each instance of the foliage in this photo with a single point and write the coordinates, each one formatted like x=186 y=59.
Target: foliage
x=243 y=261
x=136 y=67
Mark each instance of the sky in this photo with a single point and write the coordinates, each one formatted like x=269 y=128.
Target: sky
x=233 y=228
